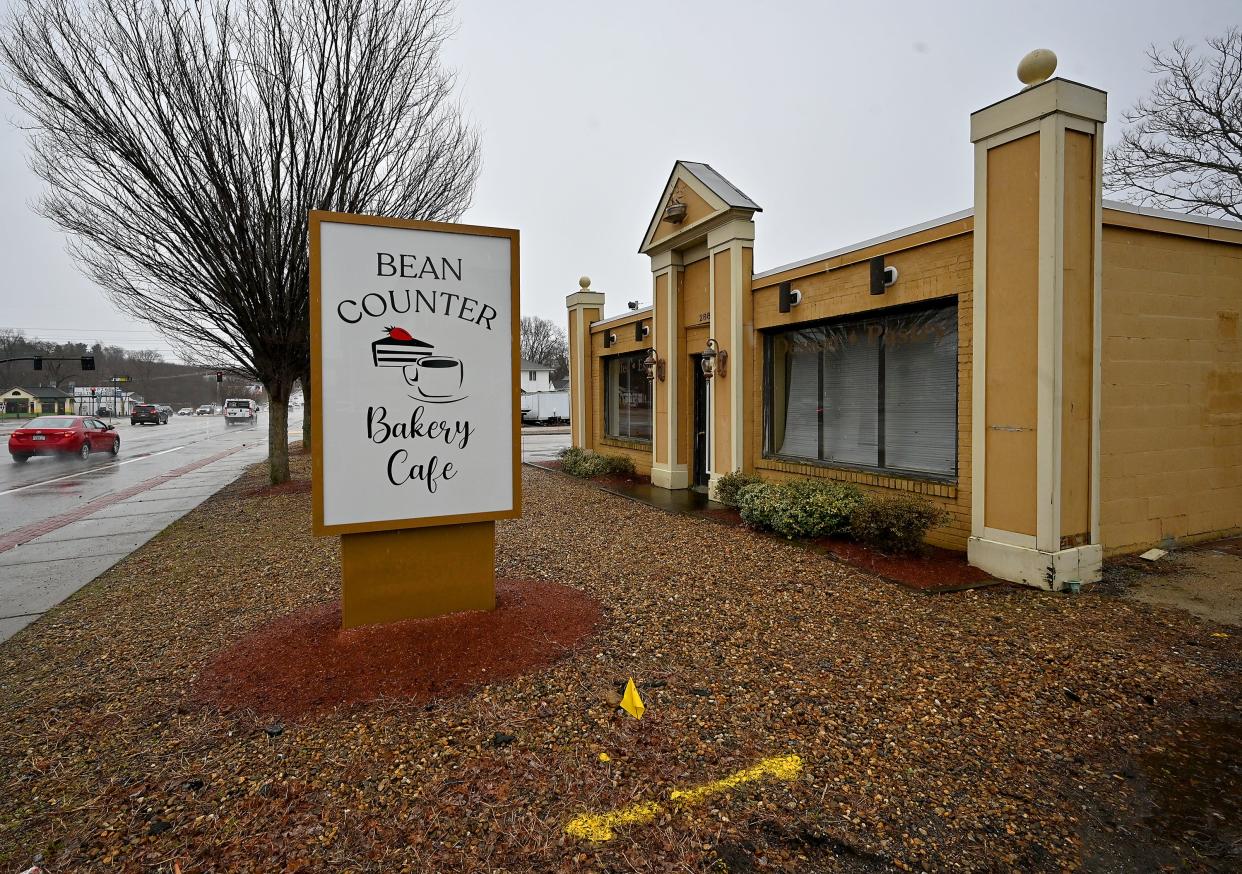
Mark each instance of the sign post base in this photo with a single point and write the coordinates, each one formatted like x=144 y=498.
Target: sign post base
x=414 y=573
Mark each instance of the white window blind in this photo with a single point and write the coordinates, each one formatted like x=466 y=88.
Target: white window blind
x=878 y=392
x=851 y=386
x=802 y=405
x=920 y=392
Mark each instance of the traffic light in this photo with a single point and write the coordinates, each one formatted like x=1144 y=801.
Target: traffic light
x=88 y=362
x=38 y=363
x=219 y=376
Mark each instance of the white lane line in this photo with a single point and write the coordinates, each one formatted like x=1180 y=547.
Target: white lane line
x=90 y=471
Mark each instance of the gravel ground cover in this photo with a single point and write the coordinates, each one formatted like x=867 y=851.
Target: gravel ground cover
x=996 y=729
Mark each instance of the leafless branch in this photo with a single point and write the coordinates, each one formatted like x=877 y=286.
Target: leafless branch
x=1182 y=147
x=184 y=141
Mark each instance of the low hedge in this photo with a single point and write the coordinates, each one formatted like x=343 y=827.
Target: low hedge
x=813 y=508
x=729 y=487
x=895 y=523
x=807 y=508
x=587 y=463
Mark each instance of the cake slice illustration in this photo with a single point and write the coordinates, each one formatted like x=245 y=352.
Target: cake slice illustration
x=398 y=348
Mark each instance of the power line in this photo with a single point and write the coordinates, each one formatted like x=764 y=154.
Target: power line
x=92 y=330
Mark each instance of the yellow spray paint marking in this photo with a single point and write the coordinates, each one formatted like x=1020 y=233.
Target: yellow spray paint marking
x=779 y=767
x=599 y=826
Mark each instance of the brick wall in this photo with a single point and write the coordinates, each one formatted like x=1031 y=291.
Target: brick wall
x=935 y=269
x=1171 y=392
x=639 y=452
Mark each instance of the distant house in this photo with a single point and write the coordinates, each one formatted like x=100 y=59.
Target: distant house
x=42 y=400
x=536 y=376
x=89 y=398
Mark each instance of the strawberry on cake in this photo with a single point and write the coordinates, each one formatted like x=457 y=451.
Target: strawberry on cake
x=398 y=349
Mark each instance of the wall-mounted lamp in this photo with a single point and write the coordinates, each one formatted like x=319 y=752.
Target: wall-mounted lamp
x=609 y=338
x=789 y=297
x=881 y=277
x=641 y=330
x=654 y=365
x=675 y=213
x=714 y=360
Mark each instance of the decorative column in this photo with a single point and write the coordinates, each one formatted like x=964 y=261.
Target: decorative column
x=1036 y=401
x=585 y=306
x=730 y=248
x=668 y=470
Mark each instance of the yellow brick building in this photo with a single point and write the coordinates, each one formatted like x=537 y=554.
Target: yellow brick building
x=1061 y=373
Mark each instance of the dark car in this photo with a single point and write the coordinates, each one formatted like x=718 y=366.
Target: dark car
x=63 y=435
x=103 y=411
x=147 y=414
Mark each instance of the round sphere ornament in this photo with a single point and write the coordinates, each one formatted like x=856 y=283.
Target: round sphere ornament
x=1037 y=67
x=584 y=282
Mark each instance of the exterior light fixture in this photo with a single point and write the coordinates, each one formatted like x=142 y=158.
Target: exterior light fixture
x=609 y=339
x=641 y=331
x=654 y=365
x=714 y=360
x=788 y=298
x=675 y=213
x=881 y=277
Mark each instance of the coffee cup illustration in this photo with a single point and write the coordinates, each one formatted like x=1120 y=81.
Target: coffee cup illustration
x=436 y=378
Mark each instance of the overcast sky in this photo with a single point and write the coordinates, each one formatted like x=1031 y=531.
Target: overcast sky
x=842 y=120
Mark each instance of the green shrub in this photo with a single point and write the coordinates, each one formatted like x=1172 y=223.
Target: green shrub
x=729 y=487
x=894 y=523
x=757 y=504
x=585 y=463
x=619 y=465
x=807 y=508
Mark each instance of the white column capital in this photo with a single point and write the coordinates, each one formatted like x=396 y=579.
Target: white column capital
x=664 y=260
x=738 y=229
x=1054 y=96
x=584 y=299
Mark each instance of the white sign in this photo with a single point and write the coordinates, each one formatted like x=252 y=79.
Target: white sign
x=415 y=348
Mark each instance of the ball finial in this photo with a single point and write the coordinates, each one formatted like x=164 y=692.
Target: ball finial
x=1037 y=67
x=584 y=282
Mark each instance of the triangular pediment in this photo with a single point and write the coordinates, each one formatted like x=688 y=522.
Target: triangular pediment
x=697 y=194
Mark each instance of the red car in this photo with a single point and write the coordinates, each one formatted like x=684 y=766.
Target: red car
x=63 y=435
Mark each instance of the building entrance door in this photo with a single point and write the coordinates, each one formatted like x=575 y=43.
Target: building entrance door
x=701 y=423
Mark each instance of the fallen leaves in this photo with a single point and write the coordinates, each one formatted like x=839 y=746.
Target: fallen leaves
x=934 y=733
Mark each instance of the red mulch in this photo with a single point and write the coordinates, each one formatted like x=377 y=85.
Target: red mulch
x=292 y=487
x=932 y=570
x=619 y=480
x=305 y=662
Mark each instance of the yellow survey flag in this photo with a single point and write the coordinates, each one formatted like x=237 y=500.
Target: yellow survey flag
x=631 y=703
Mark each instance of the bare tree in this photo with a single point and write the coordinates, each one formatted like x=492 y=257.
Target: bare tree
x=544 y=341
x=1182 y=148
x=184 y=141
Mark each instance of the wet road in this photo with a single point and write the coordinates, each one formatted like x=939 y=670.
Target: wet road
x=65 y=521
x=544 y=443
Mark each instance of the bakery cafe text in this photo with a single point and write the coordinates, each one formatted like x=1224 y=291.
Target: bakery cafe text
x=433 y=471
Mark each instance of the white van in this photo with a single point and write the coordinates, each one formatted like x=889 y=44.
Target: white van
x=240 y=411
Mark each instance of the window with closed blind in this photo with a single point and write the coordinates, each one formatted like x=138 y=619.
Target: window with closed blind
x=878 y=392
